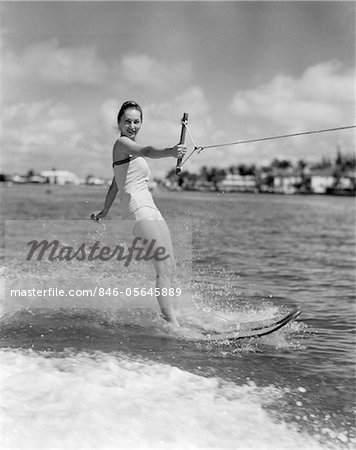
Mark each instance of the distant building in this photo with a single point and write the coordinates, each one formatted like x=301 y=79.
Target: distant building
x=202 y=185
x=322 y=180
x=95 y=181
x=38 y=179
x=60 y=177
x=286 y=182
x=347 y=182
x=19 y=179
x=238 y=183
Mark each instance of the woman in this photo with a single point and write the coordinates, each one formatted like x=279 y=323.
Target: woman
x=131 y=175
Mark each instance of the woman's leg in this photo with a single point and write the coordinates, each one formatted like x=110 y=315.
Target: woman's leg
x=157 y=231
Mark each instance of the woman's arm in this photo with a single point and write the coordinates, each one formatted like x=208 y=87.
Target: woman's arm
x=110 y=197
x=129 y=147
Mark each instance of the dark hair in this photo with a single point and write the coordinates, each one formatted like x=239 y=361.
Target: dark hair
x=127 y=105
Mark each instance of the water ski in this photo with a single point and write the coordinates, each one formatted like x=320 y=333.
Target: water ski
x=253 y=329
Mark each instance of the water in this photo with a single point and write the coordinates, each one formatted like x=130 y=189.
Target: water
x=109 y=373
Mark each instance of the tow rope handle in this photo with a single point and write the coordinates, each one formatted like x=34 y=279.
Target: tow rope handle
x=182 y=140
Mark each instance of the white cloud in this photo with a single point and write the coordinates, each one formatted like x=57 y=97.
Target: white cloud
x=48 y=62
x=164 y=118
x=82 y=129
x=78 y=128
x=36 y=122
x=42 y=134
x=323 y=95
x=145 y=71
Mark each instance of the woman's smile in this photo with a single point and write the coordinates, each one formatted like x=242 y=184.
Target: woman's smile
x=130 y=123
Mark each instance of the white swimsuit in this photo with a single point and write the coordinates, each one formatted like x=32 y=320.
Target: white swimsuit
x=132 y=175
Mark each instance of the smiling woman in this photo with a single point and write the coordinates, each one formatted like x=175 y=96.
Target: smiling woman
x=131 y=176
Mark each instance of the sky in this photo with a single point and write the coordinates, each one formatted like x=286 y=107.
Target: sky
x=241 y=70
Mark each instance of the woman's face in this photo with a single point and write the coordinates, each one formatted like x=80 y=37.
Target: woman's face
x=130 y=123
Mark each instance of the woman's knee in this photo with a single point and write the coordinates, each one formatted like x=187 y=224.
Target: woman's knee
x=165 y=269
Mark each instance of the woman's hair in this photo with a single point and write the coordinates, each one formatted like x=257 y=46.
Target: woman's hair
x=128 y=105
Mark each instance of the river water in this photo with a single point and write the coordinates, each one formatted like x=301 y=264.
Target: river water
x=107 y=372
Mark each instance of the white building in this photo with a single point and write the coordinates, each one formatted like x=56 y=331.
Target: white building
x=238 y=183
x=321 y=180
x=60 y=177
x=286 y=183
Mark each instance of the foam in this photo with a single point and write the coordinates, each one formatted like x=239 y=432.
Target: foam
x=102 y=400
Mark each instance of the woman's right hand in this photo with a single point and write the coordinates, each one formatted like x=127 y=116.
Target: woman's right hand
x=179 y=150
x=97 y=215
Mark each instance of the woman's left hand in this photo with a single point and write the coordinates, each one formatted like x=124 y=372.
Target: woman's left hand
x=97 y=215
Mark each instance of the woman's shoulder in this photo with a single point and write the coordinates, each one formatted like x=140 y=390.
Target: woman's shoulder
x=126 y=146
x=122 y=141
x=121 y=146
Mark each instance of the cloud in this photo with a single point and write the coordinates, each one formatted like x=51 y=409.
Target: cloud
x=51 y=63
x=48 y=62
x=323 y=95
x=145 y=71
x=164 y=118
x=44 y=134
x=43 y=125
x=37 y=122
